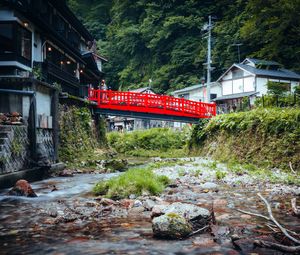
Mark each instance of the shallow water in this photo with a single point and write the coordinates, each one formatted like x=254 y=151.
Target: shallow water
x=27 y=228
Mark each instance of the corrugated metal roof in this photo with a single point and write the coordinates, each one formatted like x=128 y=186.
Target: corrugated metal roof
x=280 y=73
x=237 y=95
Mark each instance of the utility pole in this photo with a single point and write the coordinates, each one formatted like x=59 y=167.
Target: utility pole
x=208 y=60
x=238 y=48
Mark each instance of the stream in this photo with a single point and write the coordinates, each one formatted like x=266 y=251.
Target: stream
x=70 y=220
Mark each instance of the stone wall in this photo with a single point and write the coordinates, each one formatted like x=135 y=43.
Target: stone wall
x=14 y=143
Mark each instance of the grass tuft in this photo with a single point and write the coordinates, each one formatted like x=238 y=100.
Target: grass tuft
x=134 y=181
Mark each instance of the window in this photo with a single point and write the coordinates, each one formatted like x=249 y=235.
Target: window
x=6 y=39
x=15 y=43
x=237 y=73
x=24 y=42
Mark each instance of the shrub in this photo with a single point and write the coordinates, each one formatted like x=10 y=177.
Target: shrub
x=134 y=181
x=148 y=141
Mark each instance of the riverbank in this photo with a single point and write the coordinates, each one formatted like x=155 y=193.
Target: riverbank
x=71 y=220
x=268 y=138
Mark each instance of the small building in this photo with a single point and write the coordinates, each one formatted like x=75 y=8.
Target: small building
x=198 y=92
x=249 y=79
x=47 y=56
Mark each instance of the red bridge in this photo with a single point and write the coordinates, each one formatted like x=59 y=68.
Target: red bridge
x=142 y=105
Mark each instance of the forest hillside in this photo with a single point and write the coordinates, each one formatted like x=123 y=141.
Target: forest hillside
x=164 y=40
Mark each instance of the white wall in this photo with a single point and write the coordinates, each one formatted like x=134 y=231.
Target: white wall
x=227 y=76
x=226 y=87
x=249 y=84
x=237 y=86
x=216 y=90
x=196 y=94
x=43 y=103
x=261 y=85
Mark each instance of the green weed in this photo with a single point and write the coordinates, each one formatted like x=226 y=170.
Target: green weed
x=220 y=174
x=134 y=181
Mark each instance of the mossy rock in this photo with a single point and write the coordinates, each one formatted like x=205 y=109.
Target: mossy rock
x=120 y=165
x=171 y=226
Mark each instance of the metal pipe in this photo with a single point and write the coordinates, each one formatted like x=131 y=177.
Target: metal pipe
x=20 y=92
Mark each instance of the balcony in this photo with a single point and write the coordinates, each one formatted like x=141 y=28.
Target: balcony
x=52 y=73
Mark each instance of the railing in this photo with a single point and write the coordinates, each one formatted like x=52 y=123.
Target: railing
x=151 y=103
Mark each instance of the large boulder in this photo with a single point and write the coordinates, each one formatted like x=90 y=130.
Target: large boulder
x=196 y=216
x=188 y=211
x=171 y=226
x=22 y=188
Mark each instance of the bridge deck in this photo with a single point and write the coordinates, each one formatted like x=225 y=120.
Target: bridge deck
x=152 y=104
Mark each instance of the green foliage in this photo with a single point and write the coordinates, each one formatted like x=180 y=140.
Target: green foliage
x=142 y=143
x=134 y=181
x=37 y=72
x=220 y=174
x=76 y=133
x=16 y=146
x=164 y=41
x=277 y=88
x=181 y=172
x=270 y=30
x=268 y=137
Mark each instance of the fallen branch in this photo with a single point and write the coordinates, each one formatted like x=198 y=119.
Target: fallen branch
x=199 y=230
x=291 y=167
x=290 y=231
x=276 y=246
x=283 y=230
x=295 y=208
x=254 y=214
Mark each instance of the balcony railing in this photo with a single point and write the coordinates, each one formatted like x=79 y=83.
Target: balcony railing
x=49 y=70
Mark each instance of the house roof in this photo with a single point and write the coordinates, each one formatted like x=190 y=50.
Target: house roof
x=191 y=88
x=237 y=95
x=261 y=62
x=280 y=73
x=91 y=63
x=141 y=90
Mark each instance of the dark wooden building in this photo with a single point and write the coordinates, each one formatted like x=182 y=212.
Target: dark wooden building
x=46 y=55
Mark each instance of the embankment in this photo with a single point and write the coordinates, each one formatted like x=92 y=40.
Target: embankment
x=264 y=137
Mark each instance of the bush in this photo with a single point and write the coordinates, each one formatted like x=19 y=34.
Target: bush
x=134 y=181
x=151 y=140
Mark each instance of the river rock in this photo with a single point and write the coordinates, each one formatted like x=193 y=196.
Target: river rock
x=116 y=164
x=210 y=186
x=66 y=173
x=171 y=226
x=188 y=211
x=149 y=204
x=137 y=203
x=22 y=188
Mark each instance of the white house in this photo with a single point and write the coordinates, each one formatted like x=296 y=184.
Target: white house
x=198 y=92
x=249 y=79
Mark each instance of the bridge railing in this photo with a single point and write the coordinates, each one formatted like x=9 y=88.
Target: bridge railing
x=161 y=104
